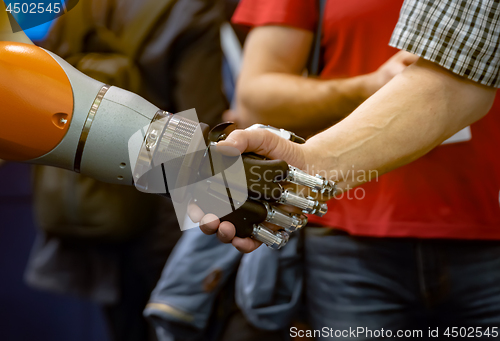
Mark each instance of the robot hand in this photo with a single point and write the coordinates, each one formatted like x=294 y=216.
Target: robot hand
x=265 y=180
x=54 y=115
x=245 y=191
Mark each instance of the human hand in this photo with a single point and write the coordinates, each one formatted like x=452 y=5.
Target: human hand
x=271 y=146
x=395 y=65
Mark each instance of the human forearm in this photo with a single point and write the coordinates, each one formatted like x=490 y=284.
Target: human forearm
x=412 y=114
x=306 y=105
x=393 y=128
x=294 y=102
x=271 y=88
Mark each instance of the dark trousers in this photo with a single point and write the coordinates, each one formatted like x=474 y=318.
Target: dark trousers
x=402 y=285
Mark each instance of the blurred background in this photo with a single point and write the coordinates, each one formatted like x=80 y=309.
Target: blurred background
x=26 y=313
x=184 y=36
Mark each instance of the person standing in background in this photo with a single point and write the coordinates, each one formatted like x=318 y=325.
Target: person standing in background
x=412 y=249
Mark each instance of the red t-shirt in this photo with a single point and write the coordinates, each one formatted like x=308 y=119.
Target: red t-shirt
x=453 y=191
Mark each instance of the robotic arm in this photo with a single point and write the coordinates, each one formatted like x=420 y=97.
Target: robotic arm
x=52 y=114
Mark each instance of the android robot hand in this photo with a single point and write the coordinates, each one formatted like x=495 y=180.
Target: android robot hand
x=248 y=190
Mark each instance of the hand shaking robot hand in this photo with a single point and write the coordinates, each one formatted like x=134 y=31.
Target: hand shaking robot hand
x=269 y=194
x=52 y=114
x=248 y=190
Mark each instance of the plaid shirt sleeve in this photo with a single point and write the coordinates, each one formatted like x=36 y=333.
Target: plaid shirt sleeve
x=461 y=36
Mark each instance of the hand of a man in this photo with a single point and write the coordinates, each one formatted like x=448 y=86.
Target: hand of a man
x=261 y=142
x=395 y=65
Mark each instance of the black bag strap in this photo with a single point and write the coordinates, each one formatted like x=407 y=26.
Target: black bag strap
x=313 y=70
x=316 y=49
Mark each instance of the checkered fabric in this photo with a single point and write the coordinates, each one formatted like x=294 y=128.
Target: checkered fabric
x=462 y=36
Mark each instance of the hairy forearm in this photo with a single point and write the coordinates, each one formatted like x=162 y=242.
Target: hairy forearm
x=294 y=102
x=411 y=115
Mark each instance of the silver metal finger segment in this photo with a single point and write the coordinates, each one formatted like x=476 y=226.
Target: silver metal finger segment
x=274 y=240
x=289 y=221
x=317 y=183
x=307 y=205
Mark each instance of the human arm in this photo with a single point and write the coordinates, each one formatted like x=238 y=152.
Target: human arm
x=413 y=113
x=271 y=89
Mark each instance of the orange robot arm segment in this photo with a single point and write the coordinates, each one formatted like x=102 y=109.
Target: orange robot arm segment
x=36 y=102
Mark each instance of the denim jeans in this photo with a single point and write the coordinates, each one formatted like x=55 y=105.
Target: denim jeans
x=402 y=285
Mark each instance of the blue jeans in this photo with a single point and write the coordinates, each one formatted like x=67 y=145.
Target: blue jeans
x=402 y=285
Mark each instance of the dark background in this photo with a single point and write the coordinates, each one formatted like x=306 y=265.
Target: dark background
x=25 y=313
